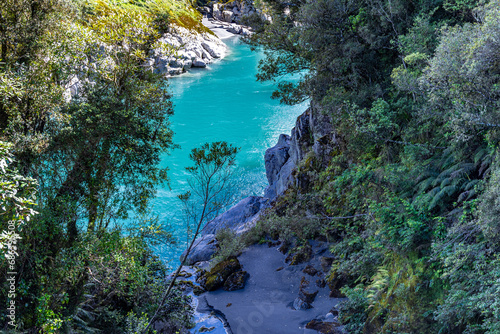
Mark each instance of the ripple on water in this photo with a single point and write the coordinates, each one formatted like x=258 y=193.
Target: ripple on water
x=224 y=102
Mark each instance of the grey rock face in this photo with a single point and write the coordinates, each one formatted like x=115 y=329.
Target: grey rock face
x=276 y=157
x=203 y=250
x=279 y=167
x=238 y=216
x=313 y=131
x=227 y=16
x=199 y=63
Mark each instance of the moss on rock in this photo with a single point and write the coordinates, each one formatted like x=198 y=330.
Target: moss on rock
x=216 y=277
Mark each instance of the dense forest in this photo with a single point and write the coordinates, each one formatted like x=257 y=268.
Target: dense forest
x=85 y=158
x=407 y=197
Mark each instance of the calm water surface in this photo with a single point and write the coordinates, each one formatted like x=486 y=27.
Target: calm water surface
x=223 y=102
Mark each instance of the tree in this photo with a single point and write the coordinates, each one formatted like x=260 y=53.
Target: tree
x=211 y=173
x=17 y=197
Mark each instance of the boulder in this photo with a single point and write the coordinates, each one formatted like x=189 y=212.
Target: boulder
x=227 y=16
x=174 y=70
x=236 y=281
x=217 y=11
x=235 y=29
x=239 y=216
x=188 y=63
x=245 y=32
x=324 y=327
x=217 y=276
x=326 y=263
x=202 y=250
x=213 y=49
x=161 y=66
x=299 y=304
x=275 y=157
x=303 y=254
x=310 y=270
x=199 y=63
x=175 y=62
x=305 y=298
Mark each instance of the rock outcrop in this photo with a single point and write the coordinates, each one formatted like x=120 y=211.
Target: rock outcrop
x=233 y=11
x=236 y=281
x=180 y=49
x=202 y=250
x=313 y=132
x=219 y=274
x=239 y=218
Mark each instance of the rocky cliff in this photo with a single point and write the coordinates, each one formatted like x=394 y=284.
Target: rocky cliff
x=313 y=132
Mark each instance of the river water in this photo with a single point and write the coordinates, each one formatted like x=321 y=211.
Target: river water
x=223 y=102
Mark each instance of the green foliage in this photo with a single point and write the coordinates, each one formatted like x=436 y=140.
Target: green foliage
x=409 y=199
x=17 y=197
x=88 y=124
x=353 y=310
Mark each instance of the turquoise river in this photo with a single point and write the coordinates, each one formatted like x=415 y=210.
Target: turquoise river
x=223 y=102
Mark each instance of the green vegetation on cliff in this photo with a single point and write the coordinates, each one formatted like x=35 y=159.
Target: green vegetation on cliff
x=409 y=196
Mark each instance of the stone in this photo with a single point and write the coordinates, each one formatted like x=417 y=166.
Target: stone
x=320 y=283
x=305 y=295
x=235 y=29
x=334 y=312
x=204 y=329
x=310 y=270
x=213 y=49
x=326 y=263
x=275 y=157
x=299 y=304
x=161 y=65
x=304 y=254
x=227 y=16
x=335 y=293
x=175 y=62
x=174 y=70
x=199 y=63
x=245 y=32
x=238 y=216
x=305 y=298
x=216 y=277
x=188 y=63
x=192 y=49
x=202 y=250
x=236 y=281
x=324 y=327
